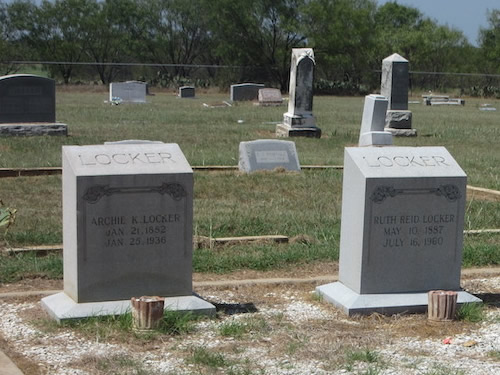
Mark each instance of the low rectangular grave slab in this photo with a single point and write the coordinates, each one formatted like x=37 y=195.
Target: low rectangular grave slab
x=270 y=97
x=128 y=92
x=186 y=92
x=267 y=154
x=245 y=91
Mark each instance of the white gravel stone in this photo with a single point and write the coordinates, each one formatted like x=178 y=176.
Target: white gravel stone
x=55 y=352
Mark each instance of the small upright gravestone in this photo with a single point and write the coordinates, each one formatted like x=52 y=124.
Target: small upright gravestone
x=186 y=92
x=245 y=91
x=142 y=83
x=28 y=106
x=402 y=230
x=127 y=230
x=128 y=92
x=372 y=125
x=299 y=121
x=270 y=97
x=394 y=86
x=268 y=154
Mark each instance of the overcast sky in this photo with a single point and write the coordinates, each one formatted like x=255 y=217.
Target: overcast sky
x=465 y=15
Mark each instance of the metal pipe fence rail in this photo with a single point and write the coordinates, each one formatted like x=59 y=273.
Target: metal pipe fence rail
x=164 y=74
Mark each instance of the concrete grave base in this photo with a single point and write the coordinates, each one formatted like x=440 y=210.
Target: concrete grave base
x=352 y=303
x=398 y=119
x=282 y=130
x=61 y=307
x=296 y=121
x=32 y=129
x=375 y=138
x=402 y=132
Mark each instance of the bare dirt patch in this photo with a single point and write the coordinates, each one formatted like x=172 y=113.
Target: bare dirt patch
x=27 y=285
x=301 y=271
x=482 y=194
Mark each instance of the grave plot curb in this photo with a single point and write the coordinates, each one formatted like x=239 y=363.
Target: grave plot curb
x=8 y=367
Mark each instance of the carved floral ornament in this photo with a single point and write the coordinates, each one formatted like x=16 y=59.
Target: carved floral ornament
x=450 y=192
x=96 y=192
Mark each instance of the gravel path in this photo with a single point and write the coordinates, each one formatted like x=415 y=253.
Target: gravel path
x=286 y=341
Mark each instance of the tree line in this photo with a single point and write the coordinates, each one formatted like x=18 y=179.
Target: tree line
x=252 y=38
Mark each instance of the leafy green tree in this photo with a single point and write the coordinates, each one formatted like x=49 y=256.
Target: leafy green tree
x=396 y=27
x=108 y=39
x=6 y=52
x=171 y=32
x=258 y=33
x=489 y=38
x=341 y=32
x=427 y=45
x=14 y=19
x=59 y=33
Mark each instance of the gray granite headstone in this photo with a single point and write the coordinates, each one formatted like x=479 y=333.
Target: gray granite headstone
x=128 y=92
x=186 y=92
x=299 y=119
x=268 y=154
x=402 y=229
x=127 y=229
x=245 y=91
x=28 y=106
x=27 y=98
x=394 y=86
x=270 y=97
x=372 y=124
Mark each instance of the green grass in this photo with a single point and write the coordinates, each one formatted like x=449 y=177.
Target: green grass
x=372 y=361
x=177 y=323
x=234 y=204
x=205 y=357
x=238 y=328
x=120 y=327
x=494 y=355
x=233 y=329
x=211 y=136
x=471 y=312
x=362 y=355
x=26 y=266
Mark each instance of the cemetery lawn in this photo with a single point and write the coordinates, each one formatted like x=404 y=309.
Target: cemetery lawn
x=304 y=206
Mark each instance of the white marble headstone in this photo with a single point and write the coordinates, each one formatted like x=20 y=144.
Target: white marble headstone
x=372 y=124
x=395 y=81
x=128 y=92
x=299 y=120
